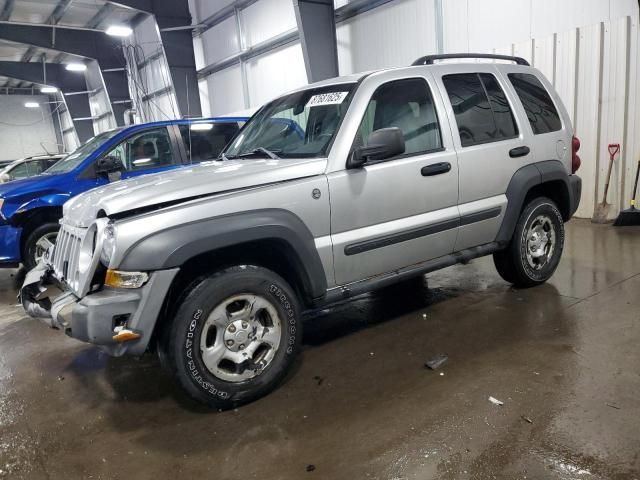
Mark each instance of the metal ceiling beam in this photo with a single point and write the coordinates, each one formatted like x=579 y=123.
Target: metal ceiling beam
x=357 y=7
x=100 y=16
x=7 y=10
x=57 y=76
x=59 y=12
x=222 y=15
x=258 y=49
x=317 y=27
x=177 y=46
x=83 y=43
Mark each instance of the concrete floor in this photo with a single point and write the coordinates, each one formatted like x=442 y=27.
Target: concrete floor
x=361 y=404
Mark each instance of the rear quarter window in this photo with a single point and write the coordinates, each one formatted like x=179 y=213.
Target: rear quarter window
x=541 y=112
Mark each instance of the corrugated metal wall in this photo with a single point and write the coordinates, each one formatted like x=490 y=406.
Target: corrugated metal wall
x=587 y=48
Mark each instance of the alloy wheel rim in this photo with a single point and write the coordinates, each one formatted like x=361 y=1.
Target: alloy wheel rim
x=240 y=338
x=43 y=244
x=540 y=242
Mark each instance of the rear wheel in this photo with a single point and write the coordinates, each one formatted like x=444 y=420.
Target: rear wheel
x=535 y=249
x=234 y=336
x=38 y=242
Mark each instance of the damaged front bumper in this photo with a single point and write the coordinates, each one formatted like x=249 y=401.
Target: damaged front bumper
x=101 y=317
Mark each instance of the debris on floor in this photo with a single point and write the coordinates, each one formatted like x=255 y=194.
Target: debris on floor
x=318 y=380
x=526 y=419
x=613 y=405
x=311 y=468
x=437 y=361
x=495 y=401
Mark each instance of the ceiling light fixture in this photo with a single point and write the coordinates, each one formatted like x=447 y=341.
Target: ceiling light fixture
x=76 y=67
x=48 y=90
x=119 y=31
x=32 y=104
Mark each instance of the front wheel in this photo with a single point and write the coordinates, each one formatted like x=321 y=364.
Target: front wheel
x=38 y=242
x=234 y=336
x=535 y=249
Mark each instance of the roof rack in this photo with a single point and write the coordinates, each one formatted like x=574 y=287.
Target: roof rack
x=429 y=59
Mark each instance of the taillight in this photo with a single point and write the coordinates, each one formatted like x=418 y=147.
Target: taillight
x=575 y=159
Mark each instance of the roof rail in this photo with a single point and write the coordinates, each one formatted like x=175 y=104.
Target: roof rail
x=429 y=59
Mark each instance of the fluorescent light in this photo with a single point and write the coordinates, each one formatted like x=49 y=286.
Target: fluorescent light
x=76 y=67
x=201 y=127
x=32 y=104
x=48 y=89
x=119 y=31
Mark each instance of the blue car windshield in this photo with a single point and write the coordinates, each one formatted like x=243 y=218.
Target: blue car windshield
x=74 y=159
x=300 y=125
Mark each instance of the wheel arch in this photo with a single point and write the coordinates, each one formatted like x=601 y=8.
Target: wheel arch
x=542 y=179
x=273 y=238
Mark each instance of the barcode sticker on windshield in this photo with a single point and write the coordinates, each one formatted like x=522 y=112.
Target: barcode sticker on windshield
x=332 y=98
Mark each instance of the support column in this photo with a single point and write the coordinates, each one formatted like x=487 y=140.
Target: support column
x=317 y=27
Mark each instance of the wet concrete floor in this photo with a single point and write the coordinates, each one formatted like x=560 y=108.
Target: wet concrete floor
x=563 y=357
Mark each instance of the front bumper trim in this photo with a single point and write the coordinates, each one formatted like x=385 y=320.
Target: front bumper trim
x=96 y=317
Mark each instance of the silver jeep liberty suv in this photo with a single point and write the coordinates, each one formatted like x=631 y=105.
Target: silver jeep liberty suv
x=335 y=189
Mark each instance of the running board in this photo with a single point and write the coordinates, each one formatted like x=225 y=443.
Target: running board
x=373 y=283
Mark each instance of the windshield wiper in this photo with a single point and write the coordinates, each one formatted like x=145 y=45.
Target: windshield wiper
x=259 y=150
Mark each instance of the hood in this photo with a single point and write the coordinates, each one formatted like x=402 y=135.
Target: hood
x=26 y=186
x=207 y=178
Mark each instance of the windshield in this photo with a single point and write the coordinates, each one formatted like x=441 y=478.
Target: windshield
x=299 y=125
x=74 y=159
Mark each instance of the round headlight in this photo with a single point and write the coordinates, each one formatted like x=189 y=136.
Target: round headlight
x=87 y=249
x=108 y=244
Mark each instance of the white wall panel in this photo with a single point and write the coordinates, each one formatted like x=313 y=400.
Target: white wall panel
x=485 y=32
x=614 y=108
x=22 y=129
x=205 y=101
x=456 y=26
x=206 y=8
x=544 y=55
x=275 y=73
x=586 y=123
x=220 y=41
x=266 y=19
x=565 y=83
x=225 y=91
x=392 y=35
x=633 y=125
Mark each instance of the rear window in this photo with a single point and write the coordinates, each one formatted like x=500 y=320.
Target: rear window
x=481 y=108
x=541 y=111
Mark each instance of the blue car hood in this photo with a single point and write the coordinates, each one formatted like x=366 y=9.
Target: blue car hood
x=18 y=192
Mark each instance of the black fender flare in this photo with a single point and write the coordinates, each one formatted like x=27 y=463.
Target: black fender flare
x=175 y=245
x=522 y=182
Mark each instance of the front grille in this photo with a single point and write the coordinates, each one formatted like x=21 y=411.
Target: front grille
x=66 y=255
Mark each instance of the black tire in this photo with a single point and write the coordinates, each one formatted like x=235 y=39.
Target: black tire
x=513 y=264
x=30 y=251
x=181 y=342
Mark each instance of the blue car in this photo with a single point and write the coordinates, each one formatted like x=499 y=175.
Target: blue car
x=30 y=209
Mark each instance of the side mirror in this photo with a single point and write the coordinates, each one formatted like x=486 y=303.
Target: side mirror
x=382 y=144
x=5 y=177
x=109 y=166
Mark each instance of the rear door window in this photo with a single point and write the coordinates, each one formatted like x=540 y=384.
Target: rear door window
x=205 y=141
x=482 y=111
x=541 y=112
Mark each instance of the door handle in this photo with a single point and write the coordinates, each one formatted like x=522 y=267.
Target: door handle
x=435 y=169
x=519 y=152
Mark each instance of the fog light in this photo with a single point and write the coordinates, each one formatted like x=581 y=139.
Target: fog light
x=119 y=279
